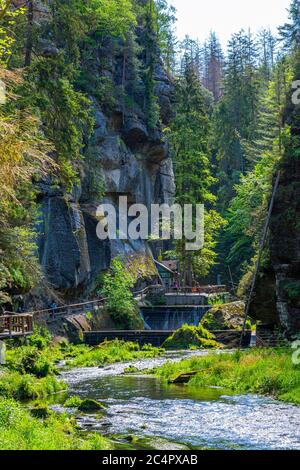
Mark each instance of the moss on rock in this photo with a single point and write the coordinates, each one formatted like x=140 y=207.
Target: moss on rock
x=188 y=337
x=89 y=405
x=225 y=317
x=41 y=412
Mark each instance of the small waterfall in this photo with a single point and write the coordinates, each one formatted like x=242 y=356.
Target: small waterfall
x=172 y=317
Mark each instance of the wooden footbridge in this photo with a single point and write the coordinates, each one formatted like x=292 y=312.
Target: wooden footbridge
x=14 y=326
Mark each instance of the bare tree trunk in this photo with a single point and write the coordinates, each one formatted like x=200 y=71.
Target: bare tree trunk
x=29 y=41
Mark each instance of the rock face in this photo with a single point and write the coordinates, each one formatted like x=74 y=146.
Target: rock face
x=285 y=246
x=225 y=317
x=126 y=156
x=277 y=293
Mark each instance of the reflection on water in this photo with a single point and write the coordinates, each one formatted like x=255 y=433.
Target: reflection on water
x=147 y=406
x=139 y=386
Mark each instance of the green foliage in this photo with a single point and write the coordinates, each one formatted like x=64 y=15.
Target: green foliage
x=188 y=337
x=28 y=387
x=210 y=322
x=110 y=352
x=247 y=210
x=73 y=402
x=23 y=157
x=267 y=372
x=65 y=112
x=38 y=358
x=41 y=338
x=235 y=116
x=41 y=411
x=119 y=299
x=193 y=172
x=8 y=17
x=290 y=31
x=21 y=431
x=292 y=288
x=165 y=19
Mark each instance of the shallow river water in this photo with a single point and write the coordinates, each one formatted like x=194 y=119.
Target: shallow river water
x=145 y=406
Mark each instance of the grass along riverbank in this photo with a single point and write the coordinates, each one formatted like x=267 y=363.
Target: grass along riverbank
x=32 y=373
x=32 y=370
x=261 y=371
x=21 y=431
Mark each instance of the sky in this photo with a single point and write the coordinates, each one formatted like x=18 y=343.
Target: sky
x=198 y=17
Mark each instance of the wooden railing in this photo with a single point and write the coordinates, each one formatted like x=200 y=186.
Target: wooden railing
x=83 y=307
x=197 y=290
x=93 y=305
x=11 y=325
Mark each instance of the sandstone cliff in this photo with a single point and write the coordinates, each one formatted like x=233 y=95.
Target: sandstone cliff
x=126 y=155
x=277 y=295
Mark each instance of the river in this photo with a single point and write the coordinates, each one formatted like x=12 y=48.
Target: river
x=174 y=416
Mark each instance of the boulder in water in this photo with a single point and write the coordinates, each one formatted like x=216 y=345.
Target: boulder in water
x=188 y=337
x=89 y=405
x=225 y=317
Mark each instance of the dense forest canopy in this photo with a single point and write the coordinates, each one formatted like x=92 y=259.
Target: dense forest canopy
x=228 y=137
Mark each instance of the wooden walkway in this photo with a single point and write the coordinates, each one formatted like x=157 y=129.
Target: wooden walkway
x=18 y=325
x=84 y=307
x=80 y=308
x=13 y=326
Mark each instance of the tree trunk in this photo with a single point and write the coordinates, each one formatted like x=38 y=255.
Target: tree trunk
x=29 y=41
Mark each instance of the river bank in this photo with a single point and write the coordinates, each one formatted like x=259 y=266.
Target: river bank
x=143 y=409
x=268 y=372
x=32 y=378
x=228 y=403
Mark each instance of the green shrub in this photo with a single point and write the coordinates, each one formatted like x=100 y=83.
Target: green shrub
x=120 y=302
x=30 y=360
x=41 y=411
x=24 y=387
x=40 y=339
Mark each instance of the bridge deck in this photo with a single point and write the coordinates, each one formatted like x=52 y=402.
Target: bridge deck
x=14 y=334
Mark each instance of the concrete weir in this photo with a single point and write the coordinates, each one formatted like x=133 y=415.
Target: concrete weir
x=172 y=317
x=230 y=338
x=156 y=338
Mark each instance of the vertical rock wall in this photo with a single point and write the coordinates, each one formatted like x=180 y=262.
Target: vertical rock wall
x=127 y=157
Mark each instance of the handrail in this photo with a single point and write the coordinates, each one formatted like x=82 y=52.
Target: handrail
x=71 y=308
x=21 y=324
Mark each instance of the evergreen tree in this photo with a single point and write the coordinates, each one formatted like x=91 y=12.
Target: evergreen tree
x=247 y=210
x=213 y=66
x=189 y=139
x=290 y=32
x=165 y=31
x=235 y=117
x=267 y=51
